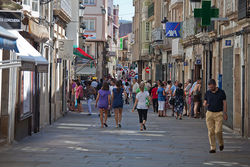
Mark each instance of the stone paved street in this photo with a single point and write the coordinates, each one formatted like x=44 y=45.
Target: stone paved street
x=78 y=141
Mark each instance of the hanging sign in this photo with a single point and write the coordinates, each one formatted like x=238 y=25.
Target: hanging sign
x=10 y=20
x=132 y=74
x=65 y=49
x=206 y=13
x=173 y=29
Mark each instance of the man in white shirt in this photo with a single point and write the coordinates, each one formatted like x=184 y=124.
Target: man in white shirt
x=134 y=88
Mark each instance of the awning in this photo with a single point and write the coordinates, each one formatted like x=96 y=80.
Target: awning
x=27 y=53
x=87 y=70
x=8 y=40
x=81 y=53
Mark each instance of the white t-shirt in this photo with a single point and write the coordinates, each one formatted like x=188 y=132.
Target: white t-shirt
x=135 y=87
x=111 y=88
x=142 y=96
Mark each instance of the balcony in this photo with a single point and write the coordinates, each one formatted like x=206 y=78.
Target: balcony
x=176 y=3
x=62 y=9
x=157 y=35
x=177 y=49
x=151 y=9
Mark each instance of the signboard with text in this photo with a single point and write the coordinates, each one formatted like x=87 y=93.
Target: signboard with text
x=10 y=20
x=65 y=49
x=173 y=29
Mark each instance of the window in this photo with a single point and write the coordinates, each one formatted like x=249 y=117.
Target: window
x=90 y=24
x=35 y=5
x=147 y=30
x=26 y=2
x=89 y=2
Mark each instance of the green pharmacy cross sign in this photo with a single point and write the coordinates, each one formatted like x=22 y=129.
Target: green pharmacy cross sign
x=206 y=13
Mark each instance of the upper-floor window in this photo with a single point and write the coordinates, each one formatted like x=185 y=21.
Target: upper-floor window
x=35 y=5
x=89 y=2
x=26 y=2
x=90 y=24
x=31 y=5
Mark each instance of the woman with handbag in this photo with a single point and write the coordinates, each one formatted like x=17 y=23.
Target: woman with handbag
x=179 y=101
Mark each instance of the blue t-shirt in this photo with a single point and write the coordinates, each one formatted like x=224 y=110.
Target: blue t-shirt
x=160 y=94
x=173 y=88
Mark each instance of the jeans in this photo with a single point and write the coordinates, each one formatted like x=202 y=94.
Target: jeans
x=134 y=97
x=192 y=106
x=143 y=114
x=89 y=105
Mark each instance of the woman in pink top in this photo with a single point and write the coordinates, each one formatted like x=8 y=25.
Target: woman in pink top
x=79 y=94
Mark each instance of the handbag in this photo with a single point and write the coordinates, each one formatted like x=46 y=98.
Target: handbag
x=171 y=100
x=76 y=103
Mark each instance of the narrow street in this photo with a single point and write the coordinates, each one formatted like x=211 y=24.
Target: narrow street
x=77 y=140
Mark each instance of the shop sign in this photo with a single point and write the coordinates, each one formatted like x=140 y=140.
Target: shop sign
x=206 y=13
x=147 y=70
x=65 y=49
x=173 y=29
x=185 y=63
x=10 y=20
x=89 y=35
x=198 y=62
x=228 y=42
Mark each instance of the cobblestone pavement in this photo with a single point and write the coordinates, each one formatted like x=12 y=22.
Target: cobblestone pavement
x=78 y=141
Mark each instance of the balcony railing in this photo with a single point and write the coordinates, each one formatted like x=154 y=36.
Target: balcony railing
x=151 y=9
x=157 y=35
x=63 y=8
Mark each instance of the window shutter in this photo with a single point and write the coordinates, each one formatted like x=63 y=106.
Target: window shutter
x=242 y=9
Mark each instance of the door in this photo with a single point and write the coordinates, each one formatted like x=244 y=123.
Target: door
x=227 y=83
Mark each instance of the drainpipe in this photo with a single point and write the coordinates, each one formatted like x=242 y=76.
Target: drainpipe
x=243 y=101
x=51 y=61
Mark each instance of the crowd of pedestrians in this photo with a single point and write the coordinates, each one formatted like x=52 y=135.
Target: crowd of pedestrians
x=182 y=100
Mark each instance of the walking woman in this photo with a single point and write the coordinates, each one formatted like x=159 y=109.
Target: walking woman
x=161 y=99
x=197 y=97
x=104 y=103
x=142 y=107
x=117 y=103
x=155 y=98
x=179 y=101
x=79 y=95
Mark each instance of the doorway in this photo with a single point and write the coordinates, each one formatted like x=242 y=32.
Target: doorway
x=227 y=83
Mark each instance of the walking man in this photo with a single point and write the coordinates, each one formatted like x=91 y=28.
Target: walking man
x=134 y=88
x=215 y=101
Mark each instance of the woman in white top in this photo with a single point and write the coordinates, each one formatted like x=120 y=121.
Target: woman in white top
x=142 y=106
